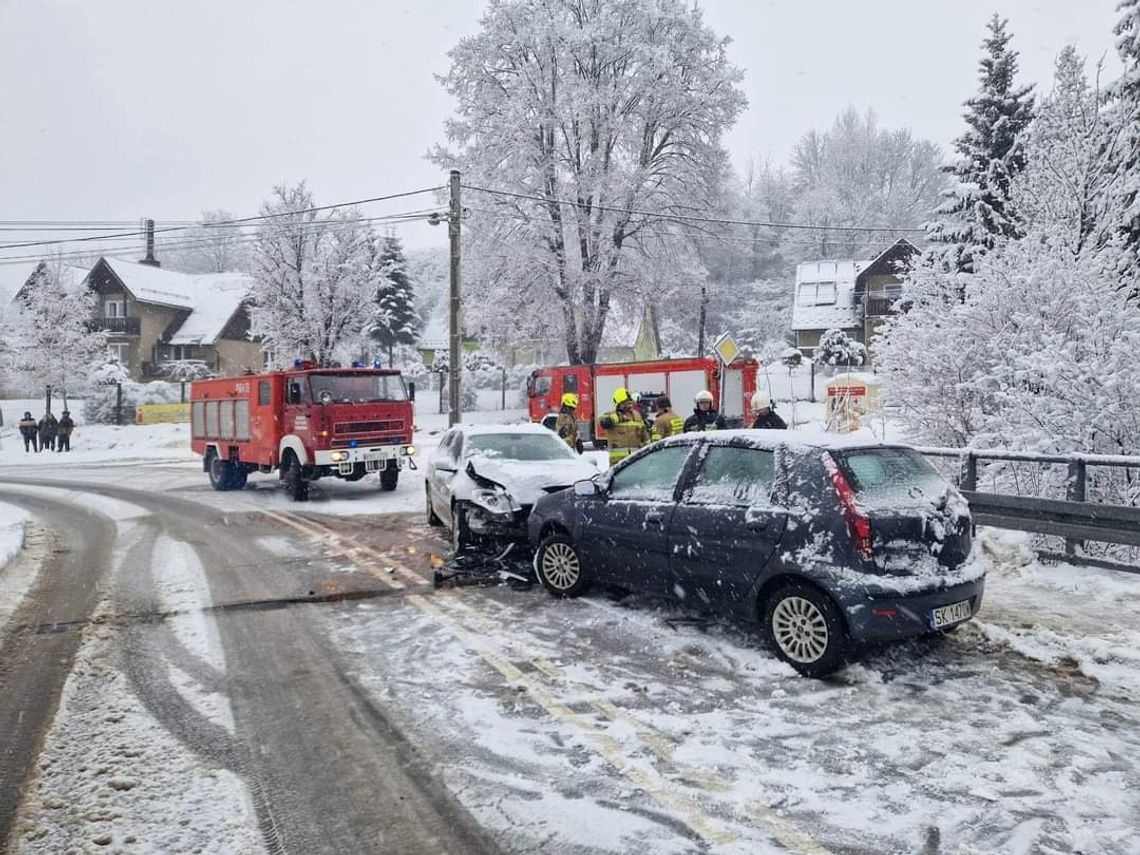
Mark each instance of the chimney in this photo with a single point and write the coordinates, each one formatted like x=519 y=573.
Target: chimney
x=150 y=259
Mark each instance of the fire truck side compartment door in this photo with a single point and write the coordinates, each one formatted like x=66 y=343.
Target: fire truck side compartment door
x=683 y=388
x=732 y=407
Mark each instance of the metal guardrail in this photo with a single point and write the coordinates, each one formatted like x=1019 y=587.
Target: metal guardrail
x=1073 y=518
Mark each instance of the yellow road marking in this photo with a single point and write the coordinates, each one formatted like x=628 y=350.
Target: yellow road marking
x=607 y=747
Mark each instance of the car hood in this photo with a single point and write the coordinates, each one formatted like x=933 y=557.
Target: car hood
x=528 y=481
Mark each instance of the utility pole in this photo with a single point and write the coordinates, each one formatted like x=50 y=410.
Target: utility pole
x=454 y=217
x=701 y=322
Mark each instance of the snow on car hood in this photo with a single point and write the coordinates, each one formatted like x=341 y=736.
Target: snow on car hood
x=527 y=480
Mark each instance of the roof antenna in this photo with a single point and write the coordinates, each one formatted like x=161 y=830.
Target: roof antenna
x=150 y=259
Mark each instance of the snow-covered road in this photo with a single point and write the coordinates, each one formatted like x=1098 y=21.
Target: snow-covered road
x=209 y=707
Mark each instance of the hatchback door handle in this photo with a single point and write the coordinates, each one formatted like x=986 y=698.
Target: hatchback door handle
x=755 y=521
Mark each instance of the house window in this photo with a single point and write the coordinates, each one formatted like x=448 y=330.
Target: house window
x=817 y=294
x=120 y=352
x=268 y=358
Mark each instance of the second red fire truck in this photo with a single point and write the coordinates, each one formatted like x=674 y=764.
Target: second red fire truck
x=732 y=388
x=305 y=423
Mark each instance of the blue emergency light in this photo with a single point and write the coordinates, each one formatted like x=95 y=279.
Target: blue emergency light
x=356 y=363
x=377 y=363
x=352 y=443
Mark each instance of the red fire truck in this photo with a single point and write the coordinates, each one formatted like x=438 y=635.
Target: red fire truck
x=680 y=379
x=306 y=423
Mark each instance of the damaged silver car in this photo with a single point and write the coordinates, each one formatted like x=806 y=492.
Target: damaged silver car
x=484 y=479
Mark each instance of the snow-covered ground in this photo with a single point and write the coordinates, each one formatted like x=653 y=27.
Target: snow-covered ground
x=12 y=521
x=618 y=724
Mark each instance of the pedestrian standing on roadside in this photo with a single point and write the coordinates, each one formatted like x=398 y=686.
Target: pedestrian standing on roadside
x=49 y=425
x=63 y=432
x=30 y=431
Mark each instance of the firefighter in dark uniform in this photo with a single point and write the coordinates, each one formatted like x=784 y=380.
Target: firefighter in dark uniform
x=63 y=432
x=625 y=431
x=30 y=431
x=766 y=418
x=567 y=425
x=704 y=417
x=667 y=422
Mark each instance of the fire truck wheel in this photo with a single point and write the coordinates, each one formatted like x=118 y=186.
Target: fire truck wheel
x=389 y=478
x=221 y=472
x=240 y=477
x=432 y=517
x=295 y=481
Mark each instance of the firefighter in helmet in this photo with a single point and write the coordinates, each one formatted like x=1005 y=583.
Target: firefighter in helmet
x=704 y=417
x=625 y=431
x=567 y=425
x=667 y=422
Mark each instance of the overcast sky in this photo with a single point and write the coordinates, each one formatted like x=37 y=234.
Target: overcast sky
x=120 y=109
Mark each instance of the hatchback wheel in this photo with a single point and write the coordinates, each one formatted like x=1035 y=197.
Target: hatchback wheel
x=559 y=567
x=805 y=629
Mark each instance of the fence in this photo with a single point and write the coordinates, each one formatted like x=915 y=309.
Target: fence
x=1073 y=518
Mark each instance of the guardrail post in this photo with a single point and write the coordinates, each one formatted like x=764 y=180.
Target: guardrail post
x=968 y=480
x=1076 y=485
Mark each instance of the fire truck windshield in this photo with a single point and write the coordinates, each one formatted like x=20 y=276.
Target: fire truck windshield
x=357 y=388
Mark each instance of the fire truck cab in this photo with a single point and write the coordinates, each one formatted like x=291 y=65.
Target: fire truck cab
x=680 y=379
x=306 y=423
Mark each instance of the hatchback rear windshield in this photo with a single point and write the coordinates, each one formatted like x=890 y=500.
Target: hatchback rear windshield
x=883 y=477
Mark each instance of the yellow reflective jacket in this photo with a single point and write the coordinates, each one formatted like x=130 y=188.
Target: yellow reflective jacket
x=666 y=424
x=624 y=436
x=567 y=428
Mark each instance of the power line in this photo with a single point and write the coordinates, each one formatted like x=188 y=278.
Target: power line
x=694 y=218
x=256 y=218
x=234 y=238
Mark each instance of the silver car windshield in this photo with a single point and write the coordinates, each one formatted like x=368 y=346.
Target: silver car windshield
x=519 y=446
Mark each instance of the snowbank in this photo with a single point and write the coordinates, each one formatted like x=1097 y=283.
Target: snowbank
x=12 y=521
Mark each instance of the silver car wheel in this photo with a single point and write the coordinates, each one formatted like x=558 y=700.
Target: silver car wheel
x=560 y=566
x=800 y=629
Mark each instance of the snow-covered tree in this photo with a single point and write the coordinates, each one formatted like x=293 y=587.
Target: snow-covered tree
x=859 y=174
x=978 y=210
x=605 y=117
x=1068 y=180
x=1123 y=146
x=51 y=338
x=838 y=348
x=215 y=246
x=393 y=320
x=312 y=276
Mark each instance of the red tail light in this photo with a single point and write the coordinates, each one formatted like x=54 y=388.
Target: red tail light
x=857 y=522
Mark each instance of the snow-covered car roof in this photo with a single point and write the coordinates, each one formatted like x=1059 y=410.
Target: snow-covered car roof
x=521 y=427
x=772 y=438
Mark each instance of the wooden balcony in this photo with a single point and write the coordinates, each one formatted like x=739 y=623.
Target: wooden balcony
x=878 y=306
x=122 y=326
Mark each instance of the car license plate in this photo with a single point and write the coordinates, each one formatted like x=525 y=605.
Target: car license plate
x=950 y=615
x=374 y=455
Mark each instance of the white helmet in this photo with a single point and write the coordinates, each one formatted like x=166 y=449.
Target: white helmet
x=703 y=395
x=760 y=401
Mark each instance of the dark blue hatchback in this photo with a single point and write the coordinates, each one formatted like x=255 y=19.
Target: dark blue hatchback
x=825 y=542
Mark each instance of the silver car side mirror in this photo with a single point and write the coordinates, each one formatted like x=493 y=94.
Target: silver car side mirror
x=586 y=488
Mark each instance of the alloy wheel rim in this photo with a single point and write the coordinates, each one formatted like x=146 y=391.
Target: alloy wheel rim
x=560 y=566
x=800 y=629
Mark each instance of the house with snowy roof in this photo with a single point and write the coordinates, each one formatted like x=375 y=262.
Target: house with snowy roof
x=154 y=316
x=852 y=295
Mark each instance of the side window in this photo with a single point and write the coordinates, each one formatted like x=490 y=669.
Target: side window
x=570 y=383
x=653 y=477
x=263 y=394
x=734 y=476
x=541 y=385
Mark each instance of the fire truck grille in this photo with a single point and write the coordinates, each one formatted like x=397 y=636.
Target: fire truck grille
x=367 y=427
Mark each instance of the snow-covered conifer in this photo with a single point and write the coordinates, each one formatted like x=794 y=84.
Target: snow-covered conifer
x=393 y=320
x=977 y=210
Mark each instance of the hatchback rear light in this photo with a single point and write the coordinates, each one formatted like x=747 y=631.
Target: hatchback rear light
x=857 y=522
